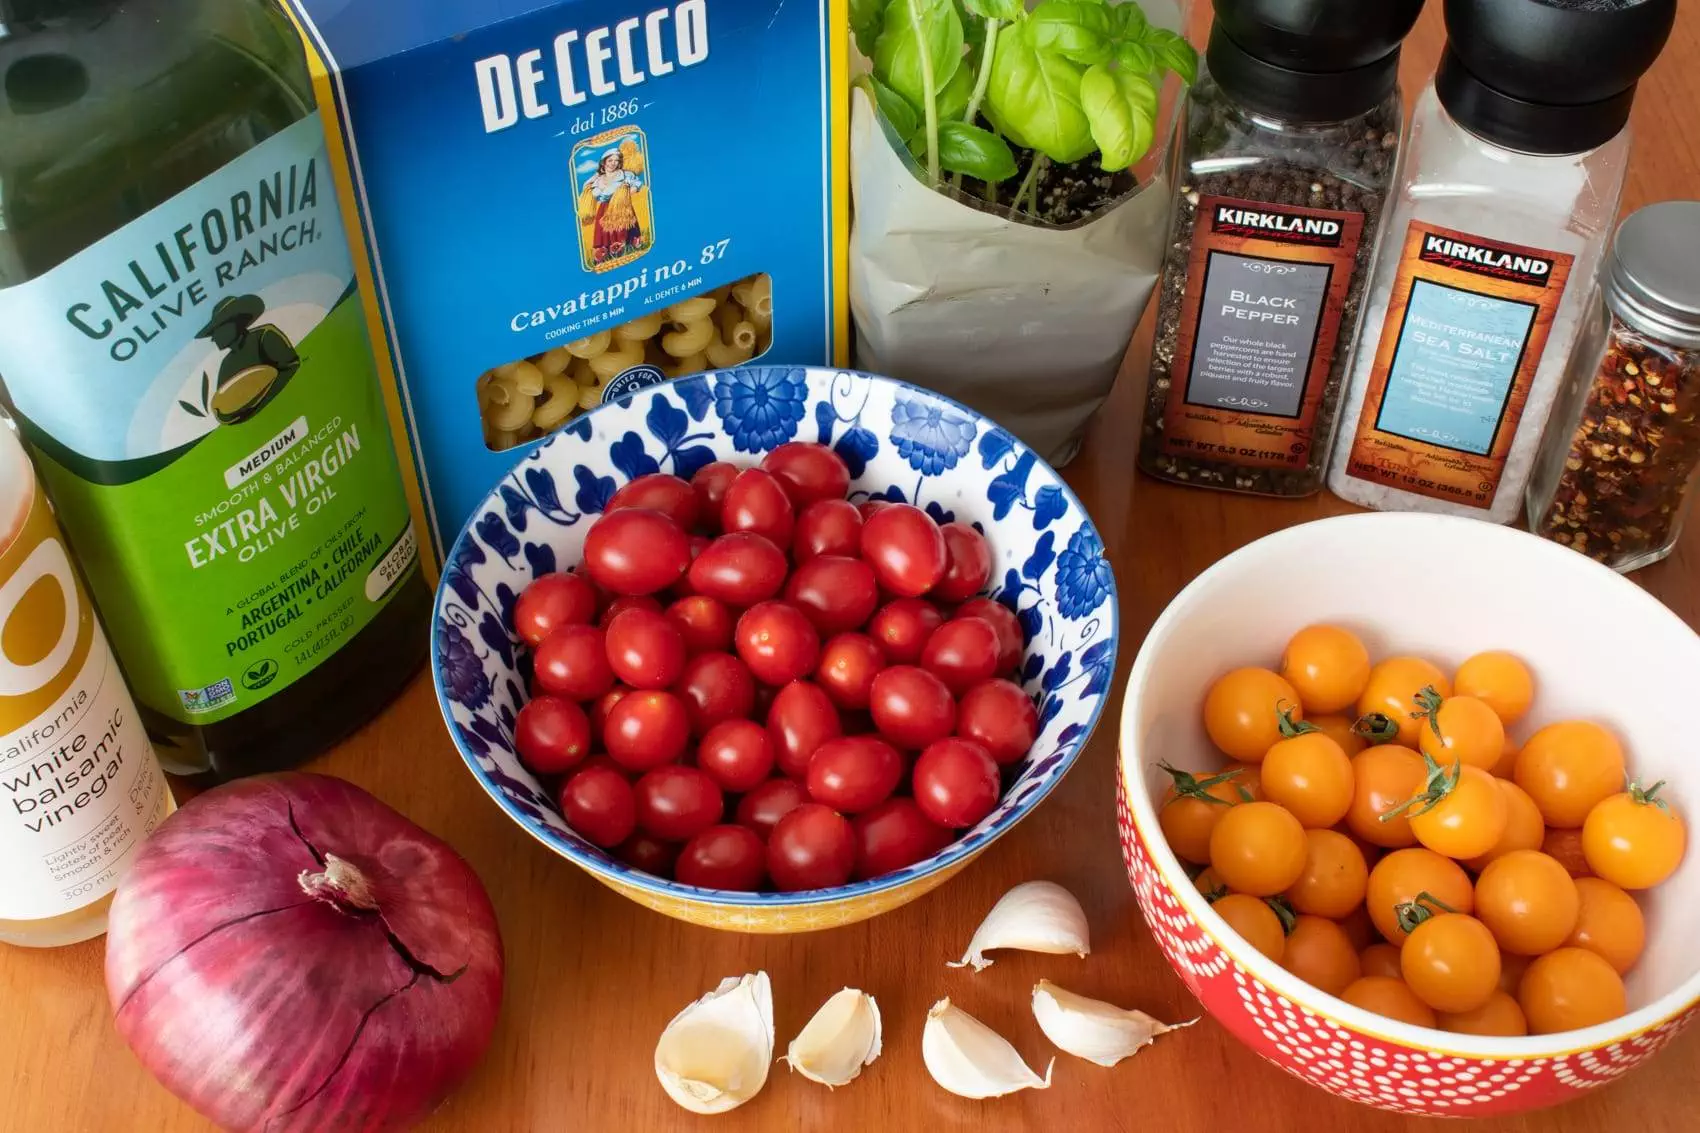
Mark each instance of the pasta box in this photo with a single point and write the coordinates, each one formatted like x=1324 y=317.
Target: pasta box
x=563 y=202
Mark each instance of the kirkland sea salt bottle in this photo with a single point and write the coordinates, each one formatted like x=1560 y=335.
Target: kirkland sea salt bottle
x=185 y=353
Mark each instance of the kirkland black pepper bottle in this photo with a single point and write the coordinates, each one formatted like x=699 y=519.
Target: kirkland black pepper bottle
x=1291 y=147
x=183 y=347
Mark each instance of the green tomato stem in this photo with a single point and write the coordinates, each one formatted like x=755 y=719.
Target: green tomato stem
x=984 y=76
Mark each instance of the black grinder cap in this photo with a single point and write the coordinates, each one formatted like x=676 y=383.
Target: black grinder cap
x=1309 y=60
x=1548 y=76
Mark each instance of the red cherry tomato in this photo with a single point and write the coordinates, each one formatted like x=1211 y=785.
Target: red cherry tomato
x=683 y=587
x=755 y=502
x=848 y=665
x=812 y=847
x=599 y=709
x=854 y=773
x=1002 y=619
x=645 y=649
x=625 y=602
x=956 y=783
x=911 y=707
x=834 y=592
x=724 y=857
x=710 y=484
x=606 y=764
x=962 y=653
x=901 y=628
x=636 y=551
x=573 y=662
x=808 y=472
x=677 y=803
x=736 y=754
x=967 y=563
x=800 y=720
x=647 y=729
x=868 y=507
x=598 y=803
x=704 y=623
x=895 y=834
x=739 y=569
x=553 y=601
x=552 y=735
x=778 y=642
x=827 y=527
x=1001 y=718
x=715 y=687
x=651 y=855
x=903 y=545
x=764 y=806
x=669 y=495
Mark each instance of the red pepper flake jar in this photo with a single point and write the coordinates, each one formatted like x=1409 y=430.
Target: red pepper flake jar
x=1622 y=449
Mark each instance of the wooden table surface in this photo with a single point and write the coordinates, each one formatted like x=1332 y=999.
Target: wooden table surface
x=592 y=978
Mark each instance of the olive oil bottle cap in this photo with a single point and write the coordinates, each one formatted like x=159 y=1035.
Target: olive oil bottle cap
x=1548 y=76
x=1309 y=60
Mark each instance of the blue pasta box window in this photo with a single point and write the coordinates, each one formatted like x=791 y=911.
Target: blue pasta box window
x=563 y=202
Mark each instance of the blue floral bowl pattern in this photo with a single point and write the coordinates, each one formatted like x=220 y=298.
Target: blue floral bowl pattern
x=902 y=444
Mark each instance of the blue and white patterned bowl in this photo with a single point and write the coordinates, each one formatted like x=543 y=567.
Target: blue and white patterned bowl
x=902 y=444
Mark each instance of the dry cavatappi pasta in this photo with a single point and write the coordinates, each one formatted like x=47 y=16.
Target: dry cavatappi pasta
x=532 y=397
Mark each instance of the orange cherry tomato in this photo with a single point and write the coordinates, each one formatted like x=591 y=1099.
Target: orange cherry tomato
x=1253 y=919
x=1463 y=813
x=1381 y=959
x=1499 y=1016
x=1339 y=729
x=1565 y=847
x=1191 y=808
x=1327 y=665
x=1506 y=768
x=1309 y=775
x=1334 y=878
x=1529 y=902
x=1247 y=784
x=1359 y=929
x=1383 y=777
x=1392 y=692
x=1242 y=712
x=1403 y=876
x=1390 y=998
x=1258 y=849
x=1511 y=969
x=1319 y=953
x=1568 y=768
x=1633 y=838
x=1207 y=883
x=1568 y=989
x=1451 y=961
x=1461 y=729
x=1523 y=828
x=1609 y=922
x=1499 y=679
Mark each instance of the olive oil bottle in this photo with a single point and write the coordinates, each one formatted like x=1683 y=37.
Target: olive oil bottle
x=184 y=351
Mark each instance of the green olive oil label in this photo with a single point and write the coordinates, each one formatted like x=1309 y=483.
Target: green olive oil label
x=201 y=396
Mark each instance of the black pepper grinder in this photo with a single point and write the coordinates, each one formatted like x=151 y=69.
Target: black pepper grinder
x=1292 y=142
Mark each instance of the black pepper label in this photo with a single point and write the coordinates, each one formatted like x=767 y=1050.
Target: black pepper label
x=1258 y=331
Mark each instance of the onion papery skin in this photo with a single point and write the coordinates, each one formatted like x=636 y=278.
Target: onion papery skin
x=269 y=998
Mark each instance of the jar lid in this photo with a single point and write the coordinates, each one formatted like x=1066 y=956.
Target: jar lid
x=1653 y=283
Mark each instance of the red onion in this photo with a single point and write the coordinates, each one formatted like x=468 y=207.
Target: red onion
x=288 y=953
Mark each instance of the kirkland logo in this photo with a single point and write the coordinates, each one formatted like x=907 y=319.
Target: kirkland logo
x=1495 y=263
x=1287 y=227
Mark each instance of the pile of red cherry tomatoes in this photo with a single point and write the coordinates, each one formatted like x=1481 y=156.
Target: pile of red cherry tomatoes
x=753 y=682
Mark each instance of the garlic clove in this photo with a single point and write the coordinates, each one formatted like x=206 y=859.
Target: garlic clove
x=715 y=1054
x=1092 y=1029
x=1036 y=916
x=971 y=1060
x=843 y=1037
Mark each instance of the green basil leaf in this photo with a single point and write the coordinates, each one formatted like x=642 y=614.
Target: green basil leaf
x=1121 y=108
x=974 y=152
x=1033 y=98
x=1127 y=19
x=1135 y=57
x=996 y=10
x=1078 y=30
x=913 y=28
x=904 y=119
x=1174 y=52
x=953 y=99
x=865 y=19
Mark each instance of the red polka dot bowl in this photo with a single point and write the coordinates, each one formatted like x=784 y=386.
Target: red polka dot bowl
x=1444 y=588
